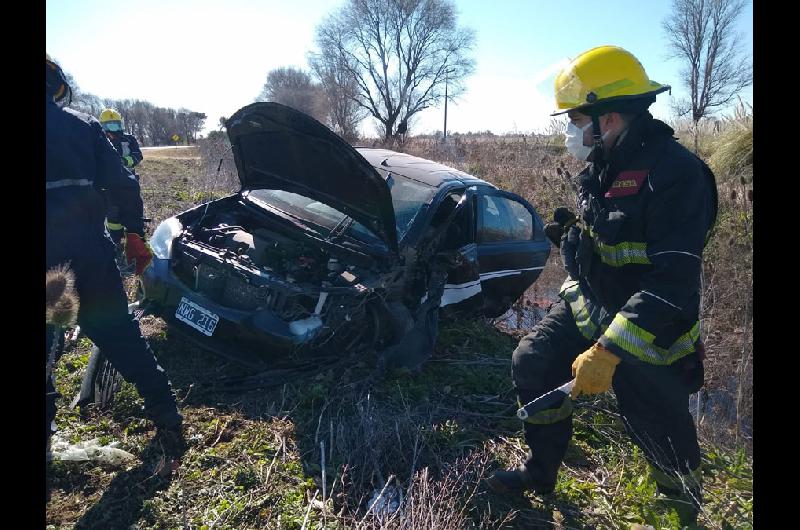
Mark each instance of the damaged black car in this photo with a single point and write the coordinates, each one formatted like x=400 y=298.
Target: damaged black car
x=333 y=248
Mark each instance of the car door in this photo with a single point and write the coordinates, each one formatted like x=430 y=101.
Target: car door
x=512 y=247
x=462 y=293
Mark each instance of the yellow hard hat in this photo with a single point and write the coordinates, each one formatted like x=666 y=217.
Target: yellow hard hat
x=603 y=75
x=111 y=120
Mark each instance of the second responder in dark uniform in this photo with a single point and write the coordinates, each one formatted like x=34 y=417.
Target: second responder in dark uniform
x=80 y=160
x=629 y=309
x=128 y=149
x=125 y=144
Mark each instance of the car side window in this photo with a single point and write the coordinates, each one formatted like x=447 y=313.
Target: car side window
x=459 y=233
x=503 y=219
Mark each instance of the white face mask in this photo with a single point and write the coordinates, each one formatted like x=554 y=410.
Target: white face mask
x=574 y=141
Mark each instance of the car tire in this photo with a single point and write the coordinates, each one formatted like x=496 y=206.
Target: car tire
x=107 y=382
x=102 y=381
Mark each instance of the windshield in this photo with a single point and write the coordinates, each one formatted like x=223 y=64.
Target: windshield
x=408 y=197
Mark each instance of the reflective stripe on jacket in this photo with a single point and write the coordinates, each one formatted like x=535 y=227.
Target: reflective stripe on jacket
x=648 y=212
x=79 y=162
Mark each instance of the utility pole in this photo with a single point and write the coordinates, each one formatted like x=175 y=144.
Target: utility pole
x=446 y=79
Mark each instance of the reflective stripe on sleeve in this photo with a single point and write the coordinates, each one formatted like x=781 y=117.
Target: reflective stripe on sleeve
x=63 y=183
x=639 y=342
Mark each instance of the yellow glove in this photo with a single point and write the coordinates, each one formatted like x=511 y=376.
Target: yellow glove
x=593 y=370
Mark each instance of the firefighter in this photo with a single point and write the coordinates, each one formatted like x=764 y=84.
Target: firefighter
x=79 y=161
x=128 y=148
x=628 y=314
x=125 y=144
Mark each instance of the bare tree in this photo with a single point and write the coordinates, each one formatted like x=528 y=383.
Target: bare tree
x=400 y=53
x=189 y=124
x=136 y=121
x=295 y=88
x=701 y=33
x=81 y=101
x=339 y=91
x=150 y=125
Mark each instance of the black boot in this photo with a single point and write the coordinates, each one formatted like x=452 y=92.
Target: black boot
x=686 y=503
x=171 y=441
x=539 y=472
x=516 y=481
x=163 y=411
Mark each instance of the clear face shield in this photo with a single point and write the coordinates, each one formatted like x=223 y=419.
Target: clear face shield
x=112 y=126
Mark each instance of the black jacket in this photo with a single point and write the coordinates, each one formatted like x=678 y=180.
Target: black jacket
x=79 y=162
x=646 y=216
x=127 y=146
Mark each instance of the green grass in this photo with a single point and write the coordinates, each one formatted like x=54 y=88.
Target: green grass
x=253 y=458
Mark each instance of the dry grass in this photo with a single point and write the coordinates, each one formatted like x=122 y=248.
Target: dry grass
x=540 y=171
x=255 y=458
x=178 y=152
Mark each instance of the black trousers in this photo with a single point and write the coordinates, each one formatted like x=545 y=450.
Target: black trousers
x=104 y=318
x=653 y=400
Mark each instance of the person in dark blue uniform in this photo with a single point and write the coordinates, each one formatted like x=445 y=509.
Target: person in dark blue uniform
x=629 y=310
x=80 y=160
x=126 y=144
x=128 y=148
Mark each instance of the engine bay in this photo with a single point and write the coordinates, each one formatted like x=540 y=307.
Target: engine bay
x=244 y=239
x=236 y=259
x=309 y=291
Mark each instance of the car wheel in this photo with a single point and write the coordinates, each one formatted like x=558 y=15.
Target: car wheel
x=101 y=381
x=362 y=332
x=107 y=380
x=107 y=383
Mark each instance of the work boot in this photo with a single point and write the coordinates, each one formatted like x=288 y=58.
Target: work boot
x=171 y=439
x=162 y=456
x=685 y=504
x=165 y=415
x=516 y=481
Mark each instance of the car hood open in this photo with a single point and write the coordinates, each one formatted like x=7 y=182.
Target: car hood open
x=278 y=147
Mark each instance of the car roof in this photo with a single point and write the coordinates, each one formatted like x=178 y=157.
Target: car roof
x=414 y=167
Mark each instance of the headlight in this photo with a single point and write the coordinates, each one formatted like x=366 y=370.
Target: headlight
x=163 y=236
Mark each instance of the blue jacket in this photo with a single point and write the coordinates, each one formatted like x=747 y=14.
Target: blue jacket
x=79 y=162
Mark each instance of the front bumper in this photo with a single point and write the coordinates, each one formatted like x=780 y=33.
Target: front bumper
x=249 y=336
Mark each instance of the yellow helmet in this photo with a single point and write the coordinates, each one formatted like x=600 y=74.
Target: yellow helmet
x=56 y=80
x=601 y=76
x=111 y=120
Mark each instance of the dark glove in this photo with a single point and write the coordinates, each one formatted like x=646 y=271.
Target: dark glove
x=116 y=235
x=138 y=251
x=562 y=220
x=569 y=250
x=554 y=232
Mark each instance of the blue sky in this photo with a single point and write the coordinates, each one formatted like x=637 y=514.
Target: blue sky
x=213 y=56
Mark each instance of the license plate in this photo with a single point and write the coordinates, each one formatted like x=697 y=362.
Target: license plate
x=198 y=317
